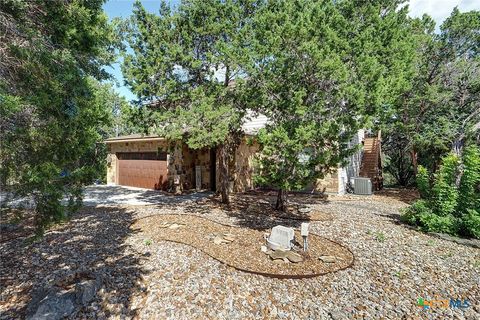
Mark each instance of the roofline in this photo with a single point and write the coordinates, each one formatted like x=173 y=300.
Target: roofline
x=141 y=139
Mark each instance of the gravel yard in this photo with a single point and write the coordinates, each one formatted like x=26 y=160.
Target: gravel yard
x=394 y=266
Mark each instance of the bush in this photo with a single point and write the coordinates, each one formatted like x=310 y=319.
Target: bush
x=469 y=195
x=444 y=191
x=423 y=182
x=471 y=224
x=431 y=222
x=449 y=204
x=412 y=214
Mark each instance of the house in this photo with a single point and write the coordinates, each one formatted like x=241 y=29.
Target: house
x=151 y=162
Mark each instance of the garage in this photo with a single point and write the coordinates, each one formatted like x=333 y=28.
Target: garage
x=142 y=169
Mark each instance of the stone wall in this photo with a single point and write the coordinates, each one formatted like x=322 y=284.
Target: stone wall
x=182 y=162
x=244 y=165
x=330 y=183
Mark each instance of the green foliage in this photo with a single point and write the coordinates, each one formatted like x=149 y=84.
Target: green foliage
x=184 y=61
x=470 y=223
x=469 y=193
x=412 y=214
x=449 y=206
x=380 y=236
x=397 y=160
x=423 y=182
x=50 y=117
x=444 y=192
x=438 y=111
x=188 y=67
x=319 y=82
x=431 y=222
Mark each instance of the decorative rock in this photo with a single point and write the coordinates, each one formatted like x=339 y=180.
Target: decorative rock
x=278 y=254
x=219 y=240
x=164 y=225
x=328 y=259
x=294 y=257
x=170 y=225
x=305 y=210
x=290 y=256
x=263 y=249
x=54 y=302
x=229 y=238
x=51 y=304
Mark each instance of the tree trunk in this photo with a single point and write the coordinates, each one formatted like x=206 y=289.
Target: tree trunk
x=281 y=200
x=457 y=145
x=413 y=155
x=224 y=176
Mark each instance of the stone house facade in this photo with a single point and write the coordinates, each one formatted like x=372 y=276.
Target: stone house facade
x=154 y=163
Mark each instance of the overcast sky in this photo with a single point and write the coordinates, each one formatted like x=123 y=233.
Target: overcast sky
x=437 y=9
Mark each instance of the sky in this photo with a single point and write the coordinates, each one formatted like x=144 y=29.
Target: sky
x=437 y=9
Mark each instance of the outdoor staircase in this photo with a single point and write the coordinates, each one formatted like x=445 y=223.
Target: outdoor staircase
x=371 y=166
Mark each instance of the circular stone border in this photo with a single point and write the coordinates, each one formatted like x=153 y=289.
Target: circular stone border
x=223 y=261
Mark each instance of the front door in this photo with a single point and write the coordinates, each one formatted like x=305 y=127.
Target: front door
x=213 y=169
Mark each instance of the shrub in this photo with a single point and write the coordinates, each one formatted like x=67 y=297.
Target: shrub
x=471 y=223
x=412 y=214
x=444 y=191
x=469 y=195
x=423 y=182
x=431 y=222
x=449 y=204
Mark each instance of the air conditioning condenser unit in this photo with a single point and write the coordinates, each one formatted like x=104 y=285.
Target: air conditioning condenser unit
x=362 y=186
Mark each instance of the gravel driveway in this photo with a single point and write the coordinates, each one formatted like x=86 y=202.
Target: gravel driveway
x=394 y=266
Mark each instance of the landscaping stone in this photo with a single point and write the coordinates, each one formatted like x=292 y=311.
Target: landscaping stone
x=305 y=210
x=294 y=257
x=287 y=256
x=328 y=259
x=51 y=305
x=278 y=254
x=56 y=302
x=219 y=240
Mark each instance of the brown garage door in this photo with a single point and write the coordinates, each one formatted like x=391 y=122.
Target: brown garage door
x=143 y=170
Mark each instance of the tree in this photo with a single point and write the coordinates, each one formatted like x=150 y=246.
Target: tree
x=50 y=51
x=323 y=69
x=186 y=66
x=120 y=113
x=440 y=110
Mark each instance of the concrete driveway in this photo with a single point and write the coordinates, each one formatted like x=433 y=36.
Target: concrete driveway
x=114 y=195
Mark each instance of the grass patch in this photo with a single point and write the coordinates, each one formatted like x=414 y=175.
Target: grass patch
x=378 y=235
